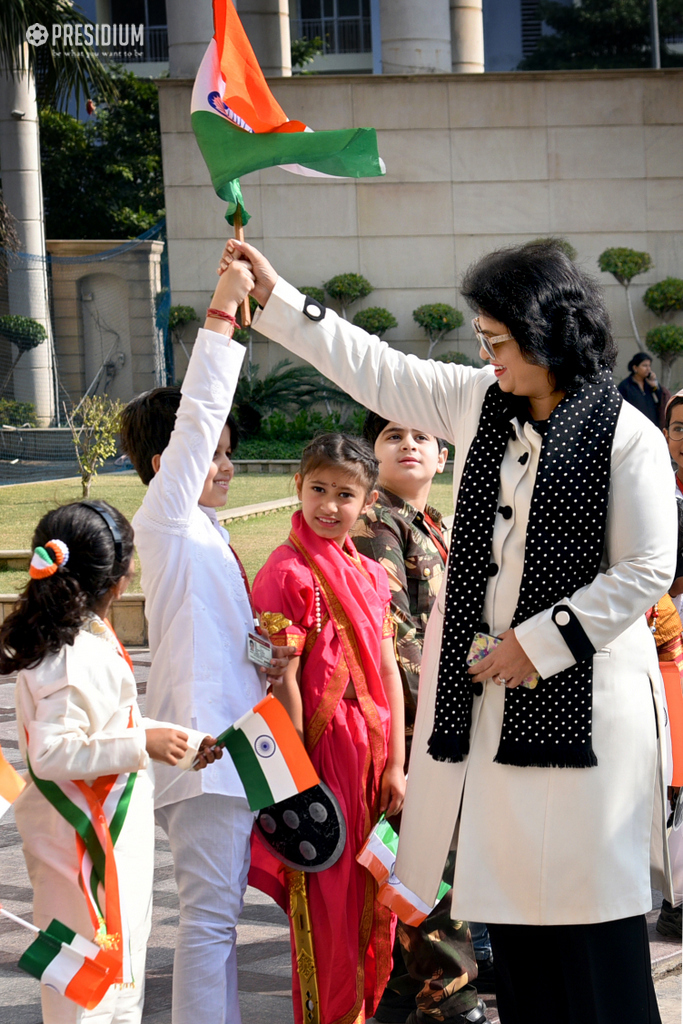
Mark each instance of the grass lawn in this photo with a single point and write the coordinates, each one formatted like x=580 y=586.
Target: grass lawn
x=22 y=505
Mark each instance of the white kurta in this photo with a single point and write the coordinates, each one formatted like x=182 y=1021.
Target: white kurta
x=76 y=707
x=196 y=603
x=536 y=846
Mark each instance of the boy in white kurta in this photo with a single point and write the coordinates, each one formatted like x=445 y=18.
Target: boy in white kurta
x=199 y=615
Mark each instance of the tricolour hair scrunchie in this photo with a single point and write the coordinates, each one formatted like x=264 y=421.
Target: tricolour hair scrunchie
x=45 y=564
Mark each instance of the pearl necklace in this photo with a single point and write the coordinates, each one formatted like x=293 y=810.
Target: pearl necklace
x=318 y=619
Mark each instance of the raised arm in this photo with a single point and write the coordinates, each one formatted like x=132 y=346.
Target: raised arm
x=379 y=377
x=207 y=394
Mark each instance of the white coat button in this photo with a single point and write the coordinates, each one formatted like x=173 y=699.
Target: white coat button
x=562 y=618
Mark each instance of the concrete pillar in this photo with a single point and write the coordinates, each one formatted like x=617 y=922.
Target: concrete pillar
x=467 y=36
x=22 y=191
x=416 y=37
x=266 y=23
x=190 y=28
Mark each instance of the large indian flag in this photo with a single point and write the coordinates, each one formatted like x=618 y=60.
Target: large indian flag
x=240 y=126
x=269 y=757
x=70 y=964
x=11 y=784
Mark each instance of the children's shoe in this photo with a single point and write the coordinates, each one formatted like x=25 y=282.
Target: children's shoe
x=669 y=921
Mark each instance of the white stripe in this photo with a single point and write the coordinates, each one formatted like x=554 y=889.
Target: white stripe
x=4 y=806
x=60 y=971
x=381 y=852
x=209 y=79
x=84 y=946
x=415 y=901
x=274 y=767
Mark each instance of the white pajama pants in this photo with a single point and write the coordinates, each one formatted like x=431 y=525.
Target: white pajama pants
x=209 y=838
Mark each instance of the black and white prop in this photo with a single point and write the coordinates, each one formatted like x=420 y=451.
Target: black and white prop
x=307 y=832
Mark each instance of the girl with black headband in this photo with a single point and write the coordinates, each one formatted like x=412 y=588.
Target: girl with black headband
x=564 y=534
x=88 y=754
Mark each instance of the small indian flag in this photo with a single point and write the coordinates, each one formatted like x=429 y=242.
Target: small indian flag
x=11 y=784
x=269 y=757
x=240 y=126
x=408 y=907
x=70 y=964
x=378 y=852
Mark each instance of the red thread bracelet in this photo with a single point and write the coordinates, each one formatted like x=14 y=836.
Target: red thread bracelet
x=220 y=315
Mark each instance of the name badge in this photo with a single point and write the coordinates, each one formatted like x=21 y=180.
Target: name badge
x=260 y=651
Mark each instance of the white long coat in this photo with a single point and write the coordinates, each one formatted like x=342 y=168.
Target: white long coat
x=538 y=846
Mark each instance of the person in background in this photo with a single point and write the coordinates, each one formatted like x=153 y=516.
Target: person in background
x=643 y=390
x=433 y=968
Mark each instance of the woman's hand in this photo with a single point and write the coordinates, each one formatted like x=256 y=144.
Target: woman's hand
x=208 y=753
x=507 y=664
x=166 y=745
x=264 y=274
x=393 y=790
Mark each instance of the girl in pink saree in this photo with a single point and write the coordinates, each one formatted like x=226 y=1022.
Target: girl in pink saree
x=343 y=693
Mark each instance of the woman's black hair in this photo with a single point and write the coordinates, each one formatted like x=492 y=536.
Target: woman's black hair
x=554 y=311
x=353 y=454
x=637 y=359
x=374 y=424
x=50 y=611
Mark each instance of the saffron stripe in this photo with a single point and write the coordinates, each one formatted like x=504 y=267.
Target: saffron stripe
x=301 y=768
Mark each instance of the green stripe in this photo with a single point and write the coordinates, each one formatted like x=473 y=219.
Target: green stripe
x=230 y=153
x=60 y=931
x=78 y=820
x=122 y=808
x=40 y=955
x=255 y=784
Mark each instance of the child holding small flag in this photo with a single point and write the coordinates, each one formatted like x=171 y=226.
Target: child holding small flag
x=85 y=816
x=343 y=693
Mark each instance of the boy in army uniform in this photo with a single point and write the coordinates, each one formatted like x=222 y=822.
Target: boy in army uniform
x=433 y=963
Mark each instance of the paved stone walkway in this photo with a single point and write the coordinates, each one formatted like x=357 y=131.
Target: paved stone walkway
x=262 y=936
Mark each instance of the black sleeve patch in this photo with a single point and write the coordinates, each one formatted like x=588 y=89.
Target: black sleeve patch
x=573 y=633
x=313 y=309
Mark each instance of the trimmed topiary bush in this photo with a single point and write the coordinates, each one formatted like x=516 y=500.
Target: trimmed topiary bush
x=313 y=292
x=624 y=265
x=375 y=320
x=22 y=331
x=665 y=298
x=347 y=289
x=437 y=319
x=666 y=341
x=458 y=357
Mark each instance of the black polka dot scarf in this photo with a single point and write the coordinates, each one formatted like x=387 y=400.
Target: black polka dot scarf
x=550 y=725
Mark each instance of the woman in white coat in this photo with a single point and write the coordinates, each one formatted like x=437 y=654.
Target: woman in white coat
x=553 y=795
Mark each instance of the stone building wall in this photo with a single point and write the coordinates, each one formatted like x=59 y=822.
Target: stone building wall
x=473 y=162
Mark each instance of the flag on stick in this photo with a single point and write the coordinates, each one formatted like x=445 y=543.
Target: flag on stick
x=269 y=757
x=240 y=126
x=11 y=784
x=68 y=963
x=378 y=855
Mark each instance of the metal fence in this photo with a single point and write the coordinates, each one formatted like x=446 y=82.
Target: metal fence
x=339 y=35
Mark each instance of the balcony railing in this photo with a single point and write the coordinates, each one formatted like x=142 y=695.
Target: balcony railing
x=339 y=35
x=155 y=47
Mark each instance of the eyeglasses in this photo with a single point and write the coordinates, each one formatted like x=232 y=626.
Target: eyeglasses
x=676 y=431
x=486 y=342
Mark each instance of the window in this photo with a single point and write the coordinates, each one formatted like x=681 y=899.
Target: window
x=343 y=25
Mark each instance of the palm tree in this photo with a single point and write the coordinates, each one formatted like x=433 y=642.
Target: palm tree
x=32 y=73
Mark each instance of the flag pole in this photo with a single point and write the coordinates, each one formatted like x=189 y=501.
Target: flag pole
x=19 y=920
x=245 y=308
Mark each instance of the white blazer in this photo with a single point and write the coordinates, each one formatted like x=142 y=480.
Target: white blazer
x=538 y=846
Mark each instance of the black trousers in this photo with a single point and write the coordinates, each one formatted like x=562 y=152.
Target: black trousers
x=574 y=974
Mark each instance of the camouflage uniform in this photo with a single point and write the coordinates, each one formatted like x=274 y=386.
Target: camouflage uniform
x=438 y=959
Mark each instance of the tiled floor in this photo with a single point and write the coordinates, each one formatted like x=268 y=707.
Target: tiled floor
x=262 y=938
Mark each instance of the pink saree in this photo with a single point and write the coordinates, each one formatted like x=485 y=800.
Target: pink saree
x=339 y=637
